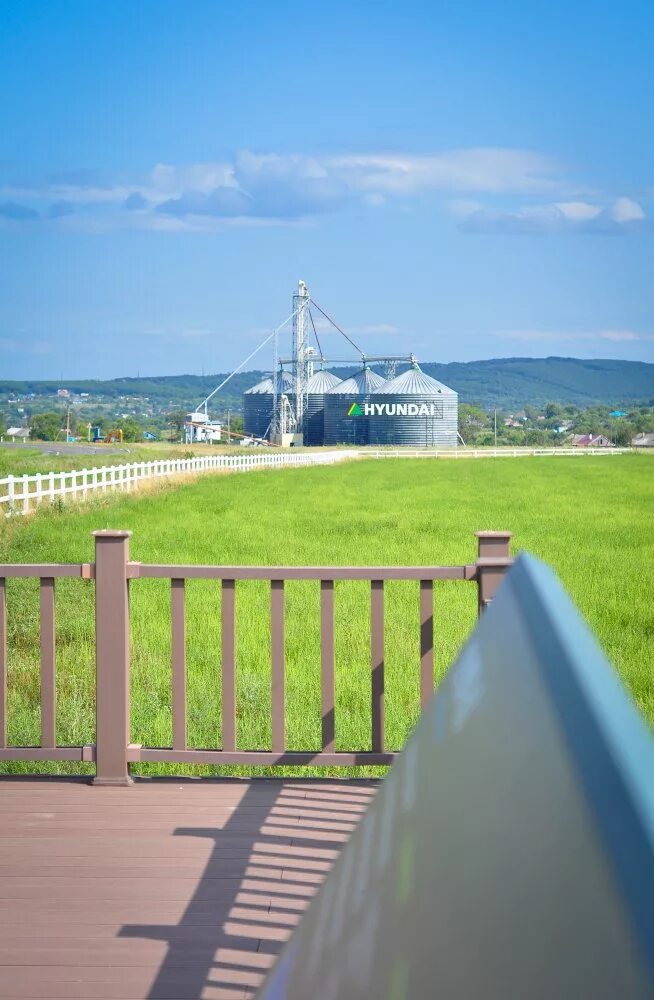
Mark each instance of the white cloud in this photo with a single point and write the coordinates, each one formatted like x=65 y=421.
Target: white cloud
x=480 y=169
x=286 y=186
x=294 y=189
x=578 y=211
x=622 y=215
x=626 y=210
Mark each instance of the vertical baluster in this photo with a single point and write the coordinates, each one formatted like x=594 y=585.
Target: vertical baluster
x=228 y=665
x=178 y=616
x=327 y=664
x=426 y=641
x=277 y=650
x=3 y=663
x=377 y=663
x=48 y=690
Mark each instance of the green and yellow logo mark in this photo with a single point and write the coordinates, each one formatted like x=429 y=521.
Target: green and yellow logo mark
x=355 y=410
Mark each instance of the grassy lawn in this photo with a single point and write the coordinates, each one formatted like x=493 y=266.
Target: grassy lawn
x=591 y=519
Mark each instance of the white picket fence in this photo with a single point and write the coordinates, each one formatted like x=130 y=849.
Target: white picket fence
x=21 y=494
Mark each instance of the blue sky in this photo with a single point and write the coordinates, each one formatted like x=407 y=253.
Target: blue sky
x=461 y=180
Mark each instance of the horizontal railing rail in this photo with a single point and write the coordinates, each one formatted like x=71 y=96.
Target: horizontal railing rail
x=22 y=494
x=113 y=572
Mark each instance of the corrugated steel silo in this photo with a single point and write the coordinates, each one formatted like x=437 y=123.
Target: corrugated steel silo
x=258 y=403
x=257 y=408
x=345 y=420
x=320 y=383
x=414 y=409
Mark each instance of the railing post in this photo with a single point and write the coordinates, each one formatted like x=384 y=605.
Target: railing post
x=112 y=657
x=493 y=560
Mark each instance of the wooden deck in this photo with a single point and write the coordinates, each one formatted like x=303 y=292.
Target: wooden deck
x=175 y=889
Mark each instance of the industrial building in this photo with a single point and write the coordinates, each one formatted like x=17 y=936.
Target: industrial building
x=198 y=429
x=315 y=407
x=304 y=402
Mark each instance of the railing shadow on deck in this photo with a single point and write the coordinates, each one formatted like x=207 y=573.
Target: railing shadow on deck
x=266 y=863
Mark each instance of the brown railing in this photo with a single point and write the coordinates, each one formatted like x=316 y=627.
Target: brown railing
x=112 y=571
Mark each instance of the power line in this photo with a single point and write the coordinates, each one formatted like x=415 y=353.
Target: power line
x=337 y=327
x=315 y=332
x=249 y=357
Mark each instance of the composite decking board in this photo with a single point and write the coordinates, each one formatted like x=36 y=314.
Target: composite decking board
x=287 y=807
x=164 y=890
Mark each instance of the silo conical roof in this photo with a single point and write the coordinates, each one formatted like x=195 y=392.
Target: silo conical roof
x=285 y=383
x=361 y=383
x=413 y=382
x=264 y=386
x=322 y=381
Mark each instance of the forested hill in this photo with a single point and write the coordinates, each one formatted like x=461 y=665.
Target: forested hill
x=508 y=383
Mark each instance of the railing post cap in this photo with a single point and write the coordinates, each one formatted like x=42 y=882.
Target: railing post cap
x=494 y=534
x=110 y=533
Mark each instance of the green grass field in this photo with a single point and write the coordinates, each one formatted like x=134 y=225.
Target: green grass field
x=590 y=518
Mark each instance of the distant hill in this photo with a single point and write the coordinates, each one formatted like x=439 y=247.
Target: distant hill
x=507 y=383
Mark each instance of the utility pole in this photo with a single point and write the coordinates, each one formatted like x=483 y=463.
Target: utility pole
x=229 y=433
x=496 y=427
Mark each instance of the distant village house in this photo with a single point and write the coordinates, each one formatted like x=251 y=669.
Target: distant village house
x=18 y=433
x=591 y=441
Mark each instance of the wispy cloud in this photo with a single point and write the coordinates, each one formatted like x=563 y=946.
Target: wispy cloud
x=292 y=189
x=619 y=216
x=560 y=336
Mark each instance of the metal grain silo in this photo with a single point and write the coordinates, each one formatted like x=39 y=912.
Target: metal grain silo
x=345 y=419
x=413 y=409
x=257 y=408
x=258 y=403
x=320 y=383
